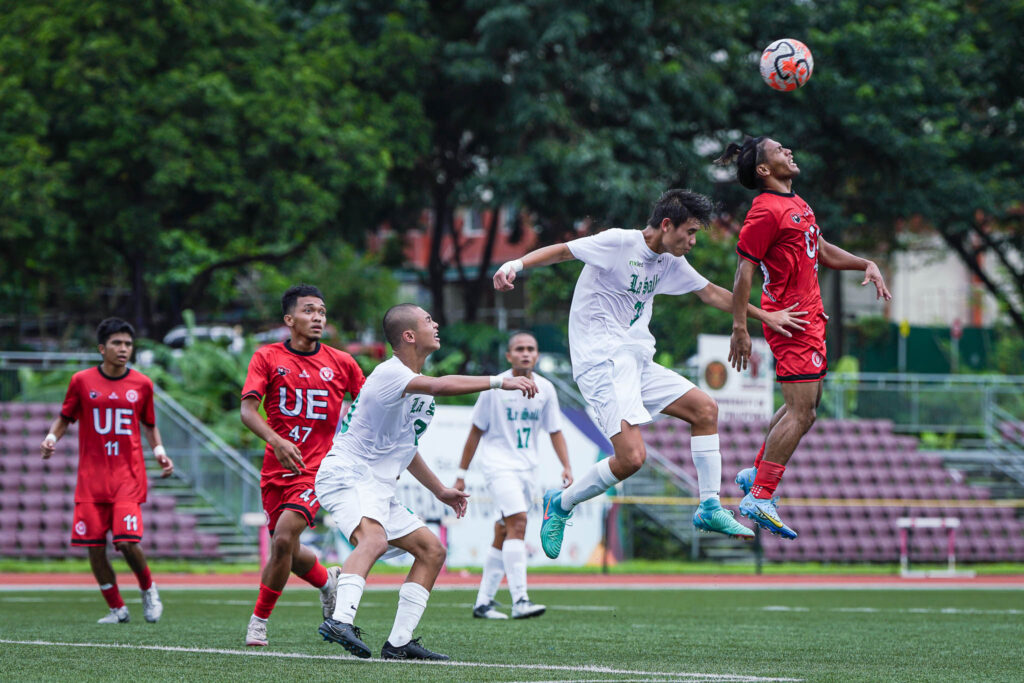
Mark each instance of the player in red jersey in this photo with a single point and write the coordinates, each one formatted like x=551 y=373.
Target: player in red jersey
x=781 y=237
x=304 y=383
x=113 y=402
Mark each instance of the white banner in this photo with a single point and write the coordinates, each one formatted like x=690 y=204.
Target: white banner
x=746 y=395
x=468 y=538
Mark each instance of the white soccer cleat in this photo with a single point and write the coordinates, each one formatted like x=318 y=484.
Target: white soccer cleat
x=152 y=608
x=488 y=612
x=118 y=615
x=329 y=597
x=256 y=635
x=524 y=609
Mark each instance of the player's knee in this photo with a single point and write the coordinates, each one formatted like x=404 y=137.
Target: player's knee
x=706 y=414
x=516 y=527
x=807 y=415
x=282 y=545
x=124 y=546
x=631 y=460
x=374 y=544
x=433 y=553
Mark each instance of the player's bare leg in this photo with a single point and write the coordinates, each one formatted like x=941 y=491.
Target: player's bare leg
x=429 y=556
x=107 y=580
x=490 y=577
x=152 y=607
x=745 y=477
x=801 y=399
x=370 y=541
x=701 y=412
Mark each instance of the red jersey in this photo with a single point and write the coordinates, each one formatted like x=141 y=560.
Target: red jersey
x=780 y=235
x=304 y=392
x=111 y=467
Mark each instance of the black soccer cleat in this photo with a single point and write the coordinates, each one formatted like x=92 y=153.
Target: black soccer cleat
x=346 y=635
x=411 y=650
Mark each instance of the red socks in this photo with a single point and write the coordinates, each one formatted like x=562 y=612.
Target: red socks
x=769 y=474
x=760 y=455
x=145 y=578
x=316 y=577
x=265 y=602
x=112 y=596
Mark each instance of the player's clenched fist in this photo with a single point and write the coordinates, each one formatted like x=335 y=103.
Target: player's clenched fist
x=506 y=275
x=523 y=384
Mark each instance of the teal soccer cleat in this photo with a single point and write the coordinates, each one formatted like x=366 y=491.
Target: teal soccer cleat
x=552 y=528
x=712 y=517
x=763 y=512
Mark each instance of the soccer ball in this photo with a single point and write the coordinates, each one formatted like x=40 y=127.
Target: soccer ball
x=786 y=64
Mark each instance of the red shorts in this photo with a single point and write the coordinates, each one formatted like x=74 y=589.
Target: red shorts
x=92 y=521
x=800 y=358
x=298 y=495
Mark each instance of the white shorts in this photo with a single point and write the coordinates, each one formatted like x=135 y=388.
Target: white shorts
x=629 y=387
x=512 y=492
x=350 y=494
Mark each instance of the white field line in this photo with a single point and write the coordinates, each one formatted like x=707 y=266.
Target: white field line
x=897 y=610
x=672 y=675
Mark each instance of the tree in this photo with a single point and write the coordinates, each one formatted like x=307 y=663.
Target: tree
x=161 y=142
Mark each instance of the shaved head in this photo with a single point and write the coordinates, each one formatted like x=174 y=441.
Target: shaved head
x=397 y=320
x=520 y=333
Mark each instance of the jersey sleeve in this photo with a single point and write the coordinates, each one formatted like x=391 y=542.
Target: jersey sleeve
x=481 y=416
x=682 y=278
x=757 y=233
x=147 y=416
x=392 y=385
x=602 y=250
x=551 y=417
x=72 y=405
x=256 y=378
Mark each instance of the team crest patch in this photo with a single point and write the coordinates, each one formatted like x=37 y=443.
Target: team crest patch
x=816 y=359
x=80 y=528
x=281 y=370
x=131 y=395
x=326 y=374
x=94 y=394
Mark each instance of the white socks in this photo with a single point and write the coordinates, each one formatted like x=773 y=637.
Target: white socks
x=350 y=592
x=513 y=552
x=594 y=482
x=708 y=460
x=494 y=570
x=412 y=600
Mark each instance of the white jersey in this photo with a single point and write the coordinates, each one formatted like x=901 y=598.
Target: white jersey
x=512 y=424
x=611 y=305
x=382 y=428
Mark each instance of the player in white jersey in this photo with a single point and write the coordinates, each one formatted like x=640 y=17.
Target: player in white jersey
x=356 y=481
x=505 y=427
x=612 y=352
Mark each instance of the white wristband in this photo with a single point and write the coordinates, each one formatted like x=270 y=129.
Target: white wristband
x=51 y=437
x=160 y=451
x=462 y=473
x=495 y=382
x=513 y=266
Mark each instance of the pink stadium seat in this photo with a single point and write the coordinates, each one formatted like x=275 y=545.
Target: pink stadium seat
x=32 y=483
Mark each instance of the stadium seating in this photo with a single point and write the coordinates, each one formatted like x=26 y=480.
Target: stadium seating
x=854 y=459
x=37 y=496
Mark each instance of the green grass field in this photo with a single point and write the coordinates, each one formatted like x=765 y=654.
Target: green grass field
x=587 y=635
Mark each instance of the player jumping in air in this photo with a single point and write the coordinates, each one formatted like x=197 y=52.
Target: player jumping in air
x=612 y=352
x=357 y=481
x=302 y=384
x=505 y=427
x=115 y=404
x=780 y=236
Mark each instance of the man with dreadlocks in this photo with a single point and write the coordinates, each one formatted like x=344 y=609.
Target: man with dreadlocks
x=781 y=237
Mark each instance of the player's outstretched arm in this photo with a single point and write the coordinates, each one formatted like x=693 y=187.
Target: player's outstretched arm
x=720 y=298
x=57 y=430
x=156 y=443
x=739 y=343
x=457 y=385
x=451 y=497
x=562 y=452
x=468 y=451
x=287 y=453
x=545 y=256
x=837 y=258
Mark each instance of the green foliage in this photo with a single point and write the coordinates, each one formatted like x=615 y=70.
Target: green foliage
x=1008 y=356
